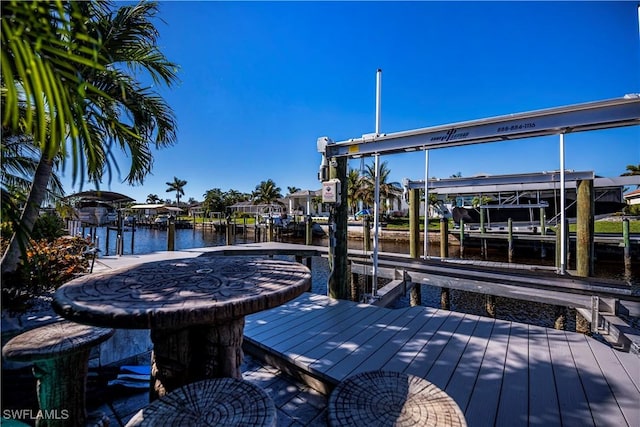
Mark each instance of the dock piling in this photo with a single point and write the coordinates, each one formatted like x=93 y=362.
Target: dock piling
x=510 y=234
x=461 y=238
x=626 y=241
x=585 y=228
x=445 y=299
x=444 y=238
x=490 y=305
x=543 y=232
x=171 y=236
x=308 y=230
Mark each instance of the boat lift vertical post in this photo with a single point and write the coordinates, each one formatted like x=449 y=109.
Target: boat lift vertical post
x=563 y=229
x=376 y=194
x=426 y=203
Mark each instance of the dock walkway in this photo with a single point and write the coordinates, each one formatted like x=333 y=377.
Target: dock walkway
x=499 y=372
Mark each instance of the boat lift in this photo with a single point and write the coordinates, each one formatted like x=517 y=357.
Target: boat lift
x=612 y=113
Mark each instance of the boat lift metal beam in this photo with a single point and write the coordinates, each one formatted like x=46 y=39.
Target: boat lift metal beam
x=512 y=183
x=612 y=113
x=617 y=112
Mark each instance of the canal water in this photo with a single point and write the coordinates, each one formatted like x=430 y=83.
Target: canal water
x=149 y=240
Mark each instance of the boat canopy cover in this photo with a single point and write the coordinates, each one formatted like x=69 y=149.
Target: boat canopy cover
x=103 y=196
x=158 y=206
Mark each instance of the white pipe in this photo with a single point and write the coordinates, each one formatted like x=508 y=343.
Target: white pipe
x=426 y=204
x=376 y=195
x=563 y=230
x=378 y=99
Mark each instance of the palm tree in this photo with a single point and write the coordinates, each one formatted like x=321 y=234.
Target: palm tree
x=153 y=199
x=96 y=102
x=178 y=186
x=44 y=44
x=632 y=170
x=388 y=190
x=268 y=193
x=291 y=190
x=354 y=186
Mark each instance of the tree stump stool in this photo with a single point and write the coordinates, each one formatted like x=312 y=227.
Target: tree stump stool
x=211 y=402
x=60 y=356
x=385 y=398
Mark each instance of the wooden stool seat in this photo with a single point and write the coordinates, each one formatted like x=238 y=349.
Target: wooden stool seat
x=212 y=402
x=54 y=340
x=60 y=355
x=385 y=398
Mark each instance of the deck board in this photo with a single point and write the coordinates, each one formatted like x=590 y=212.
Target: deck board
x=381 y=334
x=347 y=329
x=544 y=409
x=572 y=401
x=513 y=409
x=383 y=354
x=499 y=372
x=622 y=386
x=405 y=356
x=344 y=350
x=604 y=407
x=485 y=395
x=630 y=363
x=436 y=343
x=464 y=377
x=441 y=371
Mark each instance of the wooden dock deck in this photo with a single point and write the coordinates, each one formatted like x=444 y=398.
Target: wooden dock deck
x=500 y=373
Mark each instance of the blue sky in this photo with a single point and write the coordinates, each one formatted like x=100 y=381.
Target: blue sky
x=260 y=82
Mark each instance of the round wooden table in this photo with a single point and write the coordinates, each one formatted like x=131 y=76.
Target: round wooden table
x=194 y=307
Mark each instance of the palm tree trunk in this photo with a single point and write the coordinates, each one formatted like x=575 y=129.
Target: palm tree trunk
x=11 y=257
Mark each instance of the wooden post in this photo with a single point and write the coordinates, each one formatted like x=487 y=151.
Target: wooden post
x=415 y=296
x=582 y=325
x=626 y=241
x=308 y=230
x=228 y=230
x=445 y=299
x=414 y=223
x=367 y=233
x=106 y=247
x=483 y=242
x=355 y=287
x=120 y=248
x=171 y=236
x=270 y=229
x=490 y=305
x=339 y=280
x=133 y=234
x=444 y=238
x=543 y=232
x=510 y=240
x=558 y=254
x=558 y=251
x=561 y=318
x=118 y=244
x=585 y=227
x=461 y=238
